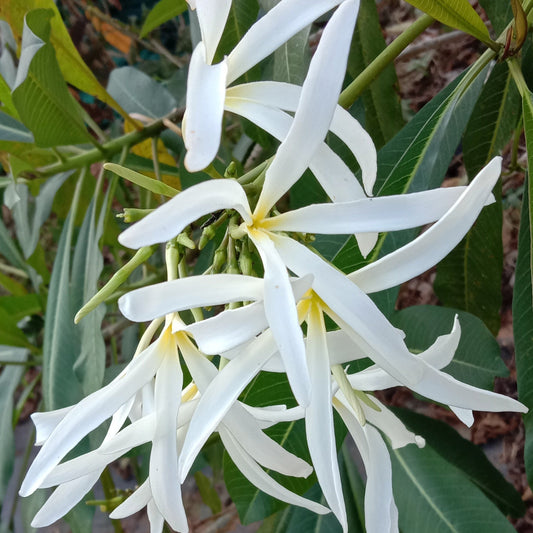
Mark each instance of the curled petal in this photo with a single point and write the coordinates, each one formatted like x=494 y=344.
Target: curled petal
x=172 y=217
x=134 y=503
x=202 y=123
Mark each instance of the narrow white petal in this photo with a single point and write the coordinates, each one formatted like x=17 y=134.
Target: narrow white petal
x=212 y=17
x=218 y=399
x=164 y=481
x=194 y=291
x=255 y=474
x=386 y=421
x=353 y=309
x=466 y=416
x=63 y=499
x=435 y=243
x=88 y=414
x=318 y=101
x=282 y=22
x=134 y=503
x=186 y=411
x=441 y=387
x=172 y=217
x=266 y=451
x=45 y=423
x=234 y=327
x=280 y=309
x=385 y=213
x=271 y=415
x=366 y=242
x=319 y=428
x=133 y=435
x=438 y=355
x=202 y=123
x=156 y=519
x=118 y=419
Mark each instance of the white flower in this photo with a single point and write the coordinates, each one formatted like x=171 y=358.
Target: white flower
x=160 y=413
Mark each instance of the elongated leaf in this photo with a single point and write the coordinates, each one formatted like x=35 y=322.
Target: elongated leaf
x=86 y=269
x=12 y=130
x=416 y=159
x=141 y=180
x=139 y=93
x=477 y=358
x=458 y=14
x=19 y=307
x=75 y=71
x=9 y=381
x=383 y=113
x=523 y=295
x=469 y=277
x=41 y=95
x=470 y=459
x=499 y=13
x=433 y=495
x=31 y=213
x=61 y=344
x=162 y=12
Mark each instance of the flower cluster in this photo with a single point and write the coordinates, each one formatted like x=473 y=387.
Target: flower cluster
x=261 y=329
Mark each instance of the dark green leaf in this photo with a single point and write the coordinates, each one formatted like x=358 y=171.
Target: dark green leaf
x=499 y=13
x=469 y=277
x=477 y=359
x=470 y=459
x=433 y=495
x=523 y=296
x=162 y=12
x=41 y=95
x=417 y=159
x=383 y=113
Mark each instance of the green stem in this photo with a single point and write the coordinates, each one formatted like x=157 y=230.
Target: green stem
x=107 y=150
x=109 y=492
x=516 y=71
x=387 y=56
x=517 y=136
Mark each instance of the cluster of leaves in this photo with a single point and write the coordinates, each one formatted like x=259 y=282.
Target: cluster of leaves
x=58 y=220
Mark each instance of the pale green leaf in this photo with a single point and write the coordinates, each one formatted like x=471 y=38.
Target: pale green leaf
x=12 y=130
x=150 y=184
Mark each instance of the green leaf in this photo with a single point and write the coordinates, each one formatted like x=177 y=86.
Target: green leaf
x=12 y=130
x=458 y=14
x=10 y=334
x=499 y=13
x=469 y=277
x=74 y=70
x=31 y=213
x=150 y=184
x=433 y=495
x=9 y=381
x=242 y=14
x=61 y=343
x=477 y=358
x=523 y=295
x=41 y=96
x=416 y=159
x=467 y=457
x=383 y=113
x=139 y=93
x=208 y=493
x=162 y=12
x=86 y=269
x=18 y=307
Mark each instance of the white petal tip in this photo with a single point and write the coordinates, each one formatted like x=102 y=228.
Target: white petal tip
x=420 y=441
